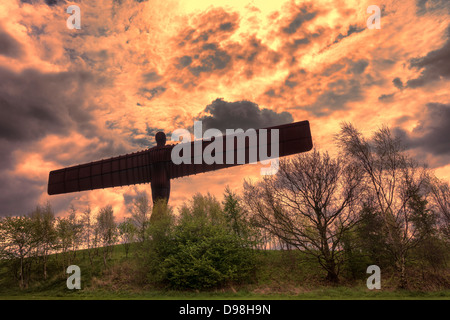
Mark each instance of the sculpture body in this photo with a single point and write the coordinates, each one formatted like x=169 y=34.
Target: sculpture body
x=155 y=165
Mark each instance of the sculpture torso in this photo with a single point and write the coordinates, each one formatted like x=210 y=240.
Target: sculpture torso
x=160 y=182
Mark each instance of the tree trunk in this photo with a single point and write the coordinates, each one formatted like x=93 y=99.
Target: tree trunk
x=403 y=280
x=332 y=275
x=21 y=273
x=45 y=267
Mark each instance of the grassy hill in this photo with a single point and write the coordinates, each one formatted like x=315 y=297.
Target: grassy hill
x=279 y=275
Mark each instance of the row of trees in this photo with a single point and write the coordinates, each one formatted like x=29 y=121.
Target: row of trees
x=30 y=239
x=371 y=204
x=373 y=188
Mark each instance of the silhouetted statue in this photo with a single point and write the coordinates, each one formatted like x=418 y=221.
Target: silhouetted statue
x=155 y=165
x=160 y=182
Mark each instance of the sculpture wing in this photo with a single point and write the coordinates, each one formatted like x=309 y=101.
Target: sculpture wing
x=136 y=168
x=293 y=138
x=119 y=171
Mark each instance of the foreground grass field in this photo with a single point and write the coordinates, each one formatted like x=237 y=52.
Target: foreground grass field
x=279 y=276
x=337 y=293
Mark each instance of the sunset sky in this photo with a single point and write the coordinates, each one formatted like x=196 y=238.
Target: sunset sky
x=137 y=67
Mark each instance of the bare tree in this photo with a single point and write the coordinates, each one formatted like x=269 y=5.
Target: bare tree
x=106 y=227
x=127 y=232
x=64 y=241
x=86 y=221
x=140 y=213
x=395 y=180
x=440 y=195
x=309 y=204
x=76 y=228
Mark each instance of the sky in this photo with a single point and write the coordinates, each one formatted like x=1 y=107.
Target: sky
x=136 y=67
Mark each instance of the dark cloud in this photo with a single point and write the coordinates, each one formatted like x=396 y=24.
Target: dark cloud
x=254 y=53
x=244 y=114
x=207 y=49
x=217 y=59
x=151 y=77
x=212 y=24
x=149 y=141
x=130 y=196
x=19 y=196
x=206 y=59
x=9 y=46
x=184 y=62
x=142 y=139
x=432 y=133
x=300 y=18
x=270 y=93
x=351 y=30
x=386 y=97
x=294 y=78
x=47 y=2
x=139 y=140
x=426 y=6
x=333 y=69
x=149 y=94
x=358 y=67
x=226 y=26
x=435 y=65
x=34 y=104
x=336 y=96
x=301 y=41
x=111 y=124
x=353 y=67
x=398 y=83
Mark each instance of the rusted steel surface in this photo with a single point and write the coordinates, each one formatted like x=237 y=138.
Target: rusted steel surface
x=293 y=138
x=156 y=167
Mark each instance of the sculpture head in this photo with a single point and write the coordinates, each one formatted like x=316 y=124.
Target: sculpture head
x=160 y=138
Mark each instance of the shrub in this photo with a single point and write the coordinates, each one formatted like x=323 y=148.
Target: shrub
x=206 y=257
x=199 y=253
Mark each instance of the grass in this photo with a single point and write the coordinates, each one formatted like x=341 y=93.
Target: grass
x=279 y=276
x=336 y=293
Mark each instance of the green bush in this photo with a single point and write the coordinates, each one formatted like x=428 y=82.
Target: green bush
x=206 y=257
x=199 y=252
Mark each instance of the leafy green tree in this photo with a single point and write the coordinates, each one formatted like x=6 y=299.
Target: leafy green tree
x=393 y=179
x=200 y=251
x=371 y=238
x=204 y=207
x=44 y=232
x=18 y=243
x=64 y=241
x=107 y=231
x=76 y=228
x=205 y=257
x=127 y=233
x=430 y=248
x=234 y=213
x=88 y=232
x=68 y=230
